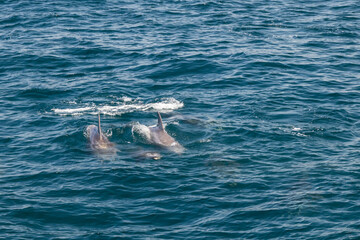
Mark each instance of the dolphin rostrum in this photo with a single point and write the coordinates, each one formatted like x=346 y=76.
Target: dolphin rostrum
x=160 y=137
x=97 y=139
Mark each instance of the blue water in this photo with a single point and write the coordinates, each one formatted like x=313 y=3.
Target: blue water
x=263 y=95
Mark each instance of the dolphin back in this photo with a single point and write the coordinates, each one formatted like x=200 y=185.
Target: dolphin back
x=98 y=141
x=93 y=133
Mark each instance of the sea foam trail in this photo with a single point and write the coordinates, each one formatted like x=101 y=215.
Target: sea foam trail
x=165 y=105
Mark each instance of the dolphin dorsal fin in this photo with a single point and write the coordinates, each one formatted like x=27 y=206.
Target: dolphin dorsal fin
x=160 y=123
x=99 y=127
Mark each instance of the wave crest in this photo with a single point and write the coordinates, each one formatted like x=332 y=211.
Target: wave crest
x=164 y=105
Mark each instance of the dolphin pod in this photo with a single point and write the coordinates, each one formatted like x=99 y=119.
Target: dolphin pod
x=158 y=136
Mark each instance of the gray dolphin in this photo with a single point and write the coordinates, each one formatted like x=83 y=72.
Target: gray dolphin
x=160 y=137
x=148 y=154
x=97 y=139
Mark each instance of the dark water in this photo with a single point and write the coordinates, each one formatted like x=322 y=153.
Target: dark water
x=264 y=96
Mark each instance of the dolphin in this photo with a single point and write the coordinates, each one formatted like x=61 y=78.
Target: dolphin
x=160 y=137
x=97 y=139
x=148 y=155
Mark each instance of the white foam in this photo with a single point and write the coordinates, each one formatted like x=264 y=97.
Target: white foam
x=167 y=104
x=117 y=110
x=126 y=99
x=296 y=131
x=128 y=105
x=71 y=111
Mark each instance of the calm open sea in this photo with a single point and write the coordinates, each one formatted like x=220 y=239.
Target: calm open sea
x=263 y=95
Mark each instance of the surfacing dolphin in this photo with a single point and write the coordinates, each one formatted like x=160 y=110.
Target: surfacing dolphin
x=148 y=155
x=160 y=137
x=97 y=139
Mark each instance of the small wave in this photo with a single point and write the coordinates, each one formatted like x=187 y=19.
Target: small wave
x=206 y=140
x=295 y=131
x=142 y=131
x=126 y=99
x=72 y=111
x=165 y=105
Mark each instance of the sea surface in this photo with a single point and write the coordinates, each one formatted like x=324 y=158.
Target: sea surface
x=263 y=95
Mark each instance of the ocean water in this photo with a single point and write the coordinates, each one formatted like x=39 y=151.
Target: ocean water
x=263 y=95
